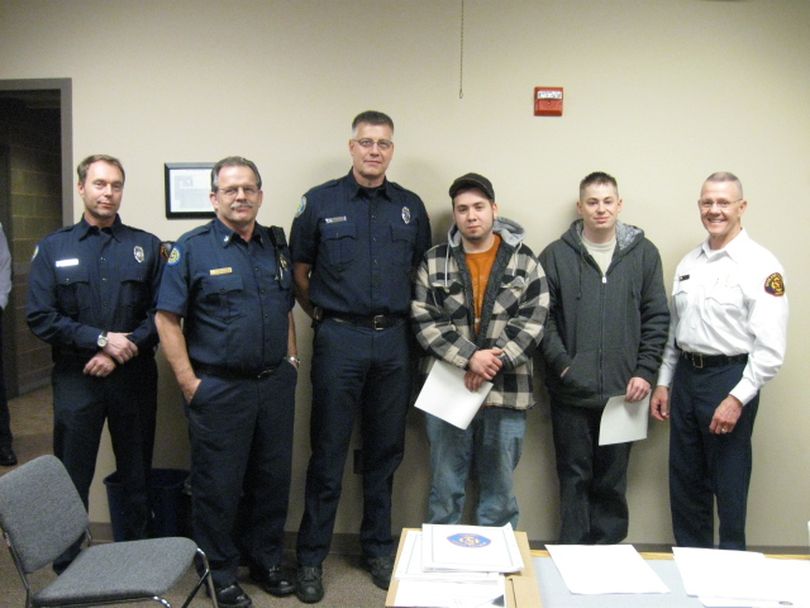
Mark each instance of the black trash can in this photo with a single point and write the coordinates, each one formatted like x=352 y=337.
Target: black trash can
x=169 y=503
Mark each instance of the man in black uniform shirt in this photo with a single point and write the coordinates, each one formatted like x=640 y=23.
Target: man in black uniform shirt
x=235 y=361
x=91 y=295
x=355 y=242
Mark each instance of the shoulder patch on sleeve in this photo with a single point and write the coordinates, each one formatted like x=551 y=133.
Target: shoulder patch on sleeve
x=166 y=249
x=174 y=256
x=775 y=284
x=301 y=206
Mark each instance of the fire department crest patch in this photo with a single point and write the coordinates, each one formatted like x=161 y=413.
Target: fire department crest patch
x=469 y=540
x=174 y=256
x=775 y=284
x=301 y=206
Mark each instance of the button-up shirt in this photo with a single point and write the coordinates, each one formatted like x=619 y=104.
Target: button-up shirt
x=730 y=301
x=85 y=280
x=362 y=244
x=235 y=296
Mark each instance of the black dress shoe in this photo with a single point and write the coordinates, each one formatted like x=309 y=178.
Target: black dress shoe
x=232 y=596
x=308 y=584
x=380 y=569
x=7 y=456
x=275 y=580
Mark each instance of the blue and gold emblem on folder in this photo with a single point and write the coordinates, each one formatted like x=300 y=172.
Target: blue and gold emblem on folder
x=471 y=541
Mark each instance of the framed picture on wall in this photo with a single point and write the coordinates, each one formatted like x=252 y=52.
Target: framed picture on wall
x=187 y=186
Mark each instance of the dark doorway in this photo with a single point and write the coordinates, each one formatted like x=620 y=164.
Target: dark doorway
x=35 y=199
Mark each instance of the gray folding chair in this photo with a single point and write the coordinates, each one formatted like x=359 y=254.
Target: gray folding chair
x=41 y=515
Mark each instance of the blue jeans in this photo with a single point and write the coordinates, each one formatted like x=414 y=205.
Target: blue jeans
x=492 y=445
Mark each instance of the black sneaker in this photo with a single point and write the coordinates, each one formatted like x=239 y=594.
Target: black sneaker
x=308 y=584
x=380 y=568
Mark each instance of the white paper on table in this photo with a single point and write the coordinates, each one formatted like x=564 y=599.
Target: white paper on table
x=623 y=421
x=722 y=573
x=437 y=594
x=785 y=581
x=409 y=566
x=445 y=396
x=601 y=569
x=473 y=548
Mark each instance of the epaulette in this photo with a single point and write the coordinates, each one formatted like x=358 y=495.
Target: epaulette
x=199 y=230
x=328 y=184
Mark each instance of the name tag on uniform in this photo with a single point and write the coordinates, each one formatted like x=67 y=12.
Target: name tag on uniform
x=335 y=220
x=217 y=271
x=67 y=262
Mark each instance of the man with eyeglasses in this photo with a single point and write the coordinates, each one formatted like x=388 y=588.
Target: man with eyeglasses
x=235 y=359
x=91 y=296
x=355 y=243
x=726 y=340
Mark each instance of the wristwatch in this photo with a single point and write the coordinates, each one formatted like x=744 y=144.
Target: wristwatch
x=102 y=339
x=294 y=361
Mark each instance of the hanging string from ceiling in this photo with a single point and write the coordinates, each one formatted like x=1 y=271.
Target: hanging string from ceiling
x=461 y=56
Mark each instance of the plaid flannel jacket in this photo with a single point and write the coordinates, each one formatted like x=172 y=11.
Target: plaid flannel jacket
x=514 y=311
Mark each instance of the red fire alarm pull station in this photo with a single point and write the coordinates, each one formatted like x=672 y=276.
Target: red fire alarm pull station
x=548 y=101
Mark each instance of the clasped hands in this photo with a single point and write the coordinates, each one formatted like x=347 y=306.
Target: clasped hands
x=484 y=365
x=119 y=349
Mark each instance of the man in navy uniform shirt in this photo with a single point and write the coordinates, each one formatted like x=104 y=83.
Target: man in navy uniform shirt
x=91 y=296
x=235 y=360
x=355 y=243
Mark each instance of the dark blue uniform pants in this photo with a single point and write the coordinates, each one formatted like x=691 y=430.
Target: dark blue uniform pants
x=593 y=478
x=127 y=399
x=241 y=433
x=703 y=465
x=355 y=370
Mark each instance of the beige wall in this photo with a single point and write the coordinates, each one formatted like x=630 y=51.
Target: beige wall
x=659 y=93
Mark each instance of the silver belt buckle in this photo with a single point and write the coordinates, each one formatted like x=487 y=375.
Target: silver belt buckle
x=697 y=360
x=377 y=322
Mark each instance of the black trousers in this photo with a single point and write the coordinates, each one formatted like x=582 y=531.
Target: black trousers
x=704 y=466
x=241 y=434
x=355 y=371
x=593 y=478
x=127 y=401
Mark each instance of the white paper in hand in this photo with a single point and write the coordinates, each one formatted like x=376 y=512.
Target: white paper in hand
x=623 y=421
x=445 y=396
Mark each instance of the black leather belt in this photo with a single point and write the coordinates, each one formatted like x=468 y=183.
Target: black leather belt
x=700 y=361
x=375 y=322
x=234 y=374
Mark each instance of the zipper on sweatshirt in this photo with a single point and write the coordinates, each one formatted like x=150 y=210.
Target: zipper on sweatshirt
x=602 y=305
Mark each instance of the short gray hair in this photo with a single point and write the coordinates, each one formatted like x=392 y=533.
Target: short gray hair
x=233 y=161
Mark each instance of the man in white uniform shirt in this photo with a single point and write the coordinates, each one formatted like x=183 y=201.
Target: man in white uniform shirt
x=726 y=340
